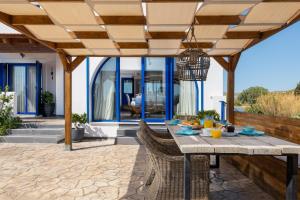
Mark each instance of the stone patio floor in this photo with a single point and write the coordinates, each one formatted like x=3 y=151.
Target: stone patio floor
x=95 y=170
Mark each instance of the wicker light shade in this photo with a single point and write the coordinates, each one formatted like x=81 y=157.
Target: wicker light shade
x=193 y=65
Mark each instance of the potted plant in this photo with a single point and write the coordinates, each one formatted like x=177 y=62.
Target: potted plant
x=78 y=126
x=209 y=113
x=48 y=103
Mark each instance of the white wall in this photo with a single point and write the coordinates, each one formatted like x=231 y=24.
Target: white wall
x=79 y=92
x=213 y=87
x=59 y=108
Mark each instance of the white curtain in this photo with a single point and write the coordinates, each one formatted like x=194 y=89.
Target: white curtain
x=31 y=93
x=187 y=98
x=18 y=84
x=104 y=98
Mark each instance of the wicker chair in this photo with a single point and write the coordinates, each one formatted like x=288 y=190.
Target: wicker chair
x=168 y=180
x=163 y=138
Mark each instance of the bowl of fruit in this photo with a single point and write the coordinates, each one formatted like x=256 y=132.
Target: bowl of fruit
x=195 y=124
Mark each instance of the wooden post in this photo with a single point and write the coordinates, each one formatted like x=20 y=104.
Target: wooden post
x=233 y=61
x=68 y=110
x=69 y=66
x=230 y=96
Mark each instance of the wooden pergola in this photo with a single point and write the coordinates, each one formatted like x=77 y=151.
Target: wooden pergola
x=80 y=28
x=18 y=43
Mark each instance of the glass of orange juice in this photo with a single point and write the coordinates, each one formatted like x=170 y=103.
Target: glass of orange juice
x=216 y=133
x=208 y=123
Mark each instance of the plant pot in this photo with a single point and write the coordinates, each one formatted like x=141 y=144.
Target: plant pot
x=49 y=109
x=77 y=134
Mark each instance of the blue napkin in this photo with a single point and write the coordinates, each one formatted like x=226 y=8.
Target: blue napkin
x=254 y=133
x=186 y=132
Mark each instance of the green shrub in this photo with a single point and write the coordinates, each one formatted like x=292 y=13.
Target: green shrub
x=297 y=89
x=79 y=120
x=47 y=97
x=250 y=95
x=7 y=120
x=254 y=108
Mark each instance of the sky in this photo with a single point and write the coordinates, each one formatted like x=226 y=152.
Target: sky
x=274 y=63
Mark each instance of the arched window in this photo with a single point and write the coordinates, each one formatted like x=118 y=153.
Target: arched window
x=103 y=91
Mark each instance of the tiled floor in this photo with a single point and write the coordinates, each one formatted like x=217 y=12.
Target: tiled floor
x=95 y=170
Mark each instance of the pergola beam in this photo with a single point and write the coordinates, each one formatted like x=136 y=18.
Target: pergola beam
x=31 y=20
x=91 y=35
x=222 y=62
x=219 y=20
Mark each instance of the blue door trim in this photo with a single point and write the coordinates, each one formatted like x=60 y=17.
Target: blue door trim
x=2 y=76
x=197 y=96
x=38 y=67
x=88 y=88
x=202 y=95
x=38 y=86
x=117 y=91
x=143 y=60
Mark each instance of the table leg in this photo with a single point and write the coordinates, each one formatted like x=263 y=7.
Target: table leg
x=291 y=177
x=187 y=177
x=217 y=165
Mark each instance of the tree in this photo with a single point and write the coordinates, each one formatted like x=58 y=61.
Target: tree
x=297 y=89
x=250 y=95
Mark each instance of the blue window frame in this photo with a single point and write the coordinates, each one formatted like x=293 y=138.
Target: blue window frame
x=169 y=74
x=7 y=69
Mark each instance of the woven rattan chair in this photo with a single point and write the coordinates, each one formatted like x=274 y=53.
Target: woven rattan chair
x=168 y=180
x=145 y=127
x=163 y=138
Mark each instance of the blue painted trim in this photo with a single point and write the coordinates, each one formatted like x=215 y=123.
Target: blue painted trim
x=223 y=106
x=93 y=86
x=202 y=95
x=38 y=86
x=171 y=66
x=154 y=120
x=117 y=91
x=168 y=97
x=143 y=60
x=2 y=75
x=197 y=96
x=88 y=88
x=38 y=67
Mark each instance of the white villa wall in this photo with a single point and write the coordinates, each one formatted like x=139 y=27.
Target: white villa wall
x=48 y=61
x=213 y=87
x=59 y=87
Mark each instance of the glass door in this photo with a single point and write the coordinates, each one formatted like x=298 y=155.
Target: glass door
x=18 y=85
x=154 y=90
x=25 y=81
x=31 y=89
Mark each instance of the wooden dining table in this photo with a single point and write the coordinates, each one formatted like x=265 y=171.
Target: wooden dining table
x=238 y=145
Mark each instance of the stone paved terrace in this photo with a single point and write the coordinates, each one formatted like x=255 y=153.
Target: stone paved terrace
x=95 y=170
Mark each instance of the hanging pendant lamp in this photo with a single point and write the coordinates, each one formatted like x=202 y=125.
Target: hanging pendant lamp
x=193 y=63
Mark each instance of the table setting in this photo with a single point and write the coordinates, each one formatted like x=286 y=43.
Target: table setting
x=214 y=129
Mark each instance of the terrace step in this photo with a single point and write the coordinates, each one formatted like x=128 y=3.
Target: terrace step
x=34 y=136
x=126 y=135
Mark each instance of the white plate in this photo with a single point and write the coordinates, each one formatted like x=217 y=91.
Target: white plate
x=230 y=134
